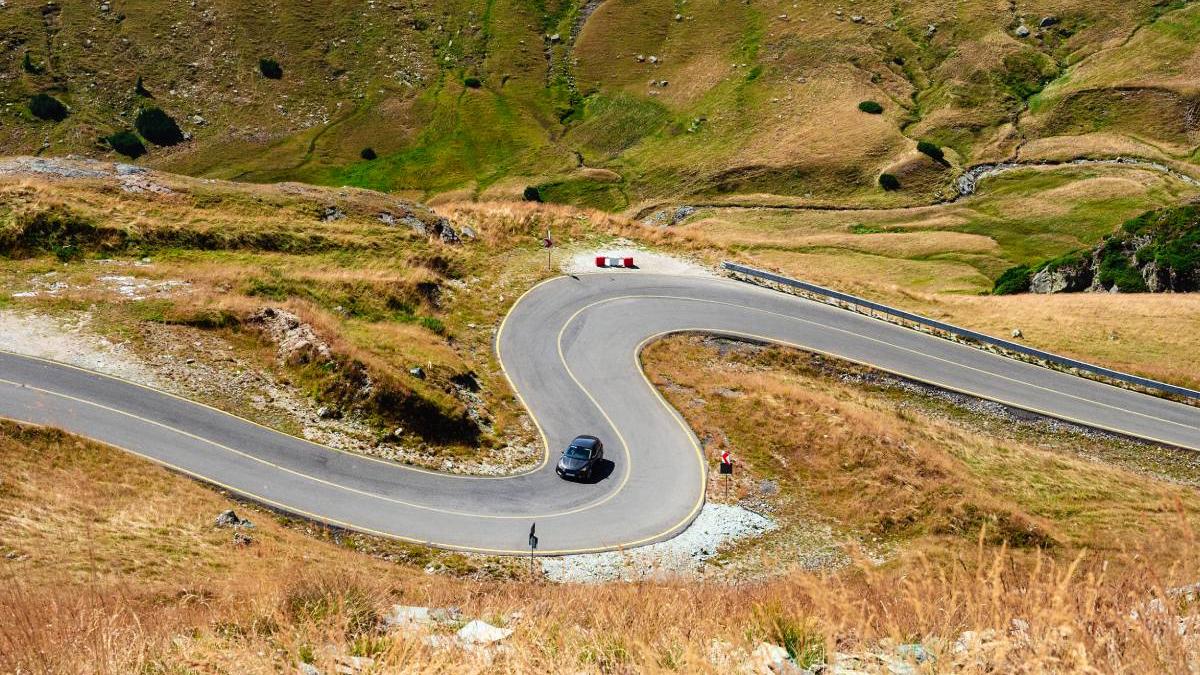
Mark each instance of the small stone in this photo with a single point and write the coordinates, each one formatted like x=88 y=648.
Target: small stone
x=417 y=372
x=858 y=18
x=307 y=669
x=228 y=519
x=1047 y=21
x=1016 y=333
x=1022 y=31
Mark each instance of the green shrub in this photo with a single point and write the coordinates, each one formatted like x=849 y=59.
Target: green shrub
x=473 y=82
x=157 y=127
x=532 y=194
x=871 y=107
x=46 y=107
x=434 y=324
x=889 y=182
x=802 y=638
x=1014 y=280
x=935 y=153
x=127 y=143
x=368 y=154
x=270 y=69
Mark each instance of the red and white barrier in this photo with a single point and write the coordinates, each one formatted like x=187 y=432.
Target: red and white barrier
x=605 y=261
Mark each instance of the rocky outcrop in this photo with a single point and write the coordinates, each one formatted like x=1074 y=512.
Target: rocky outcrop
x=297 y=342
x=1157 y=252
x=1067 y=278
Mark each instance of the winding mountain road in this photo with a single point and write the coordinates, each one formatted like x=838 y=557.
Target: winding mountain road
x=570 y=347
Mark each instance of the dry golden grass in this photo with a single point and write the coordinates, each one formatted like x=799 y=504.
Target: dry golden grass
x=115 y=568
x=901 y=468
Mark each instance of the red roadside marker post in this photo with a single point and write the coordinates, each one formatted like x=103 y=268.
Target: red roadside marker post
x=726 y=470
x=548 y=243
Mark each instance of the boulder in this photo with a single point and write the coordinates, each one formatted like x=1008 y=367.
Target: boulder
x=1047 y=21
x=1022 y=31
x=228 y=519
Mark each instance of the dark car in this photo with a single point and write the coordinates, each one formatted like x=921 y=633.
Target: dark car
x=580 y=458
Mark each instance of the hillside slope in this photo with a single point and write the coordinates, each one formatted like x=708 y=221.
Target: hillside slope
x=607 y=103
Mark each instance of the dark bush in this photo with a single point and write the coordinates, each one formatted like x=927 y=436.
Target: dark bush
x=46 y=107
x=889 y=182
x=473 y=82
x=29 y=66
x=127 y=143
x=532 y=194
x=935 y=153
x=141 y=90
x=270 y=69
x=1117 y=270
x=1014 y=280
x=870 y=107
x=157 y=127
x=368 y=154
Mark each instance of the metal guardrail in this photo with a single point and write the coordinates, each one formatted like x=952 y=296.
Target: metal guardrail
x=965 y=334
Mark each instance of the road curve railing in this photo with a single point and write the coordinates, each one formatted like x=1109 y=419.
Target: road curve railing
x=957 y=334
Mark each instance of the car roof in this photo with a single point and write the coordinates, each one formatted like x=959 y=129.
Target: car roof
x=585 y=441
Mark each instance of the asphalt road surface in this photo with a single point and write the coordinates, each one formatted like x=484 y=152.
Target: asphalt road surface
x=571 y=348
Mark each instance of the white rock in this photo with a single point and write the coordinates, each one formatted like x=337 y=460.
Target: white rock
x=769 y=658
x=405 y=616
x=482 y=633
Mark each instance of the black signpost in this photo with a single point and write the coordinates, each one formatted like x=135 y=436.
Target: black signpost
x=533 y=541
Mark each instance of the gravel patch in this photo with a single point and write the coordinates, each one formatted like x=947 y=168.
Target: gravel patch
x=717 y=526
x=645 y=260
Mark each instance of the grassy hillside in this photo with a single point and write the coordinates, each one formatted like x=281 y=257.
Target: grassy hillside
x=606 y=103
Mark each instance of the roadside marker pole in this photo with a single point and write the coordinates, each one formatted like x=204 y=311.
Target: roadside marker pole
x=726 y=470
x=548 y=242
x=533 y=542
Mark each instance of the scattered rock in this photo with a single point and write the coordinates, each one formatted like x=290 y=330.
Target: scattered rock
x=352 y=665
x=858 y=18
x=331 y=213
x=1016 y=333
x=242 y=539
x=417 y=372
x=327 y=413
x=307 y=669
x=1047 y=21
x=1022 y=31
x=415 y=224
x=297 y=341
x=386 y=218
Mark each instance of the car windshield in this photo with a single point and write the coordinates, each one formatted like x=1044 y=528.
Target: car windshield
x=576 y=452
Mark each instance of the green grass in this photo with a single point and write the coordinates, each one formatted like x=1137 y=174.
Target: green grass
x=469 y=94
